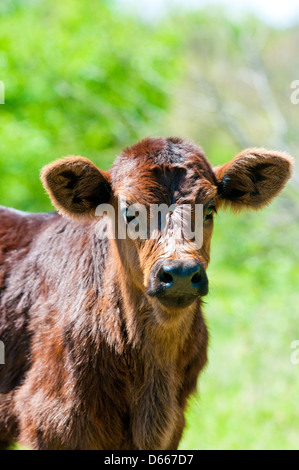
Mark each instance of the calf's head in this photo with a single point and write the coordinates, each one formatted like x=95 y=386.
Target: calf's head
x=174 y=173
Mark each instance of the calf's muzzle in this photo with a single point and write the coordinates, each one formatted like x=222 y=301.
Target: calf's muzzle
x=177 y=283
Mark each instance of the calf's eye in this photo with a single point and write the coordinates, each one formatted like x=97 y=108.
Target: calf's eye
x=130 y=216
x=209 y=213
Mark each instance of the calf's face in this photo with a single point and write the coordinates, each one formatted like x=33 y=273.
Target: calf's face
x=155 y=187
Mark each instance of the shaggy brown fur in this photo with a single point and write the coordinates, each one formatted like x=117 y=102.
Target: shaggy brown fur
x=91 y=361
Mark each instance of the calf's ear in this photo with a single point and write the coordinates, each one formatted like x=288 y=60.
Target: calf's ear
x=76 y=186
x=253 y=178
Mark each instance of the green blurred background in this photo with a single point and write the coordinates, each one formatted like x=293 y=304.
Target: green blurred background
x=89 y=78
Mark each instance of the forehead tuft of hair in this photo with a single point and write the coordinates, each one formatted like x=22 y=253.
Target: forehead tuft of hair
x=152 y=152
x=159 y=151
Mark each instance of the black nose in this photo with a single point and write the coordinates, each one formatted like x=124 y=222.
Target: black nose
x=178 y=279
x=181 y=278
x=177 y=283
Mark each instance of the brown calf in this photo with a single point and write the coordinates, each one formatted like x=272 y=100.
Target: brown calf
x=104 y=338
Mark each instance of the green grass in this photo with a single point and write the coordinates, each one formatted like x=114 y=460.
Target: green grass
x=249 y=393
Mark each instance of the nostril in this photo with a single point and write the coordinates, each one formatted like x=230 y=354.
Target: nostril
x=196 y=278
x=165 y=277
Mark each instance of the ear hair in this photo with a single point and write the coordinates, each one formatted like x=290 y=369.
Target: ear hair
x=253 y=178
x=76 y=186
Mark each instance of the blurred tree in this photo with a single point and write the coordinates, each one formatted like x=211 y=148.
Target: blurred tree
x=80 y=78
x=237 y=86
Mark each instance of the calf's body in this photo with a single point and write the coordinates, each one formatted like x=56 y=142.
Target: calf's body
x=93 y=357
x=71 y=378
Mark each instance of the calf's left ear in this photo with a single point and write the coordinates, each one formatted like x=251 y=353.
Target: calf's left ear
x=76 y=186
x=253 y=178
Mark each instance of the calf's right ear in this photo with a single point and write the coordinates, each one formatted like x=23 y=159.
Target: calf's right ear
x=253 y=178
x=76 y=186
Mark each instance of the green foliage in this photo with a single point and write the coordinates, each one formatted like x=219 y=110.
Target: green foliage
x=80 y=78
